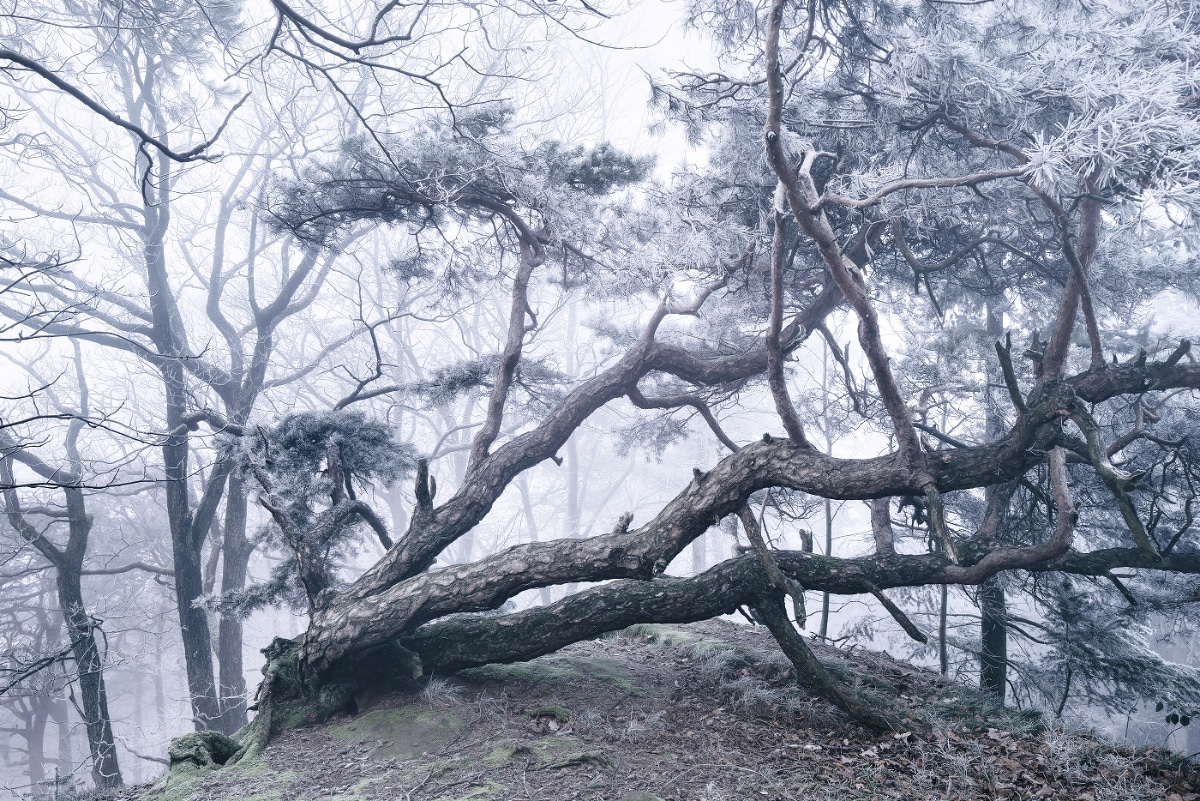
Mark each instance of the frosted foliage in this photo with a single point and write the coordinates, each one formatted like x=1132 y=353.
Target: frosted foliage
x=1106 y=649
x=1084 y=88
x=444 y=183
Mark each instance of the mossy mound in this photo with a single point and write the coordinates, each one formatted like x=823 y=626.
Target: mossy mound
x=557 y=671
x=202 y=749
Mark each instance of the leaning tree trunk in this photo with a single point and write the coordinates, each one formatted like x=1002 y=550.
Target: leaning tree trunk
x=405 y=606
x=81 y=629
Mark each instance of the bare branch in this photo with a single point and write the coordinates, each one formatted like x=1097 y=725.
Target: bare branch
x=146 y=138
x=675 y=401
x=974 y=179
x=113 y=571
x=775 y=377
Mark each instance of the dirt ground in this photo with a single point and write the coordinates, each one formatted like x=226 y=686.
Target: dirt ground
x=701 y=712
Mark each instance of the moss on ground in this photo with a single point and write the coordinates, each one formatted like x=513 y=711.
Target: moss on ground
x=558 y=671
x=559 y=713
x=401 y=733
x=202 y=748
x=180 y=782
x=545 y=750
x=495 y=741
x=186 y=779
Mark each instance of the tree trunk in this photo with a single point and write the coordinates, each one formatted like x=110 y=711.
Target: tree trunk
x=810 y=670
x=61 y=715
x=193 y=621
x=106 y=773
x=187 y=535
x=993 y=652
x=824 y=630
x=237 y=552
x=993 y=634
x=35 y=744
x=943 y=654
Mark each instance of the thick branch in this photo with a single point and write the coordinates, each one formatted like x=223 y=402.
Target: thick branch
x=810 y=670
x=1076 y=294
x=784 y=584
x=532 y=255
x=113 y=571
x=384 y=602
x=775 y=377
x=801 y=194
x=881 y=526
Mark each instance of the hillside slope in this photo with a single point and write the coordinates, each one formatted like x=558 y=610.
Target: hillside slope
x=705 y=711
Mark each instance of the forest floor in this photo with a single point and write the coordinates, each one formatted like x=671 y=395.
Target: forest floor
x=705 y=711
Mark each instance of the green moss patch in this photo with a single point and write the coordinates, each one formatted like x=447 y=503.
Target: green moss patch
x=546 y=752
x=401 y=733
x=182 y=781
x=559 y=713
x=554 y=672
x=202 y=748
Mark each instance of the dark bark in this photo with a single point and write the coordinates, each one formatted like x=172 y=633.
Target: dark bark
x=775 y=376
x=993 y=608
x=804 y=201
x=532 y=256
x=187 y=532
x=823 y=630
x=81 y=628
x=429 y=535
x=459 y=642
x=810 y=670
x=236 y=559
x=368 y=614
x=401 y=598
x=881 y=525
x=993 y=639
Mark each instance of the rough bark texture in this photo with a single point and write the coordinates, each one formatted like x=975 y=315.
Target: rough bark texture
x=235 y=561
x=993 y=639
x=369 y=614
x=400 y=611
